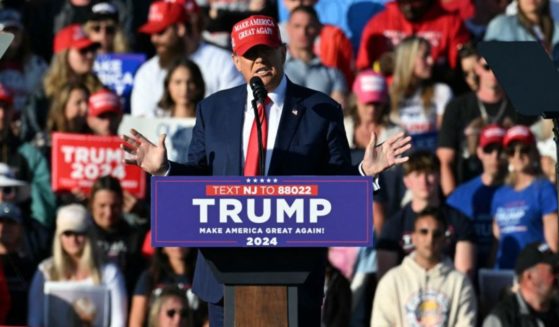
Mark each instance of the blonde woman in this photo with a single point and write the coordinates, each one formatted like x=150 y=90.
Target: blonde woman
x=74 y=261
x=525 y=208
x=417 y=103
x=169 y=307
x=74 y=54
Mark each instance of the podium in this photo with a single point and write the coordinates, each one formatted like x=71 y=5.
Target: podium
x=264 y=239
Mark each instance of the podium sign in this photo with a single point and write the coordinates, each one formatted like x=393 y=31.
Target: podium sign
x=266 y=211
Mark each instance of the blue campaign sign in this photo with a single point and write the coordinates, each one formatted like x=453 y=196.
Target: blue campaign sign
x=262 y=211
x=117 y=70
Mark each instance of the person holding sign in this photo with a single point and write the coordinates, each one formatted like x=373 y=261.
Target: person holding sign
x=74 y=262
x=305 y=136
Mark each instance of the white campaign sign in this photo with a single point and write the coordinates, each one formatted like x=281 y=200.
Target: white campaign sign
x=178 y=130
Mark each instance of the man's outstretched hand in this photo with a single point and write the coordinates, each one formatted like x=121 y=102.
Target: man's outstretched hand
x=380 y=157
x=139 y=151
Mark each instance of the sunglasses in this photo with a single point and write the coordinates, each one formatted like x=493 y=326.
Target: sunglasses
x=172 y=312
x=70 y=233
x=437 y=233
x=7 y=190
x=90 y=49
x=109 y=29
x=522 y=149
x=486 y=67
x=492 y=148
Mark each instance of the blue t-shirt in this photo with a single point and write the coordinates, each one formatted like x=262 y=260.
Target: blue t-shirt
x=473 y=199
x=519 y=215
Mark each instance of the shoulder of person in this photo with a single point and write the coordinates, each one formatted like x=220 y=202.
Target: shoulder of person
x=442 y=89
x=45 y=266
x=318 y=99
x=503 y=21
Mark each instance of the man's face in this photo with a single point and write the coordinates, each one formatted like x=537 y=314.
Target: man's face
x=264 y=62
x=413 y=10
x=491 y=157
x=428 y=238
x=303 y=30
x=167 y=40
x=422 y=184
x=292 y=4
x=10 y=233
x=543 y=280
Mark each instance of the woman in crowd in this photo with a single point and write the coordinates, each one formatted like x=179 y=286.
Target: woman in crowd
x=75 y=263
x=533 y=22
x=418 y=103
x=371 y=112
x=169 y=308
x=183 y=89
x=68 y=110
x=103 y=27
x=524 y=210
x=74 y=54
x=171 y=266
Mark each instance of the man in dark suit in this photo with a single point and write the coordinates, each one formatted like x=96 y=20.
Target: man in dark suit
x=302 y=132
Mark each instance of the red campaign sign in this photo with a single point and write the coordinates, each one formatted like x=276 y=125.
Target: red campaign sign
x=78 y=160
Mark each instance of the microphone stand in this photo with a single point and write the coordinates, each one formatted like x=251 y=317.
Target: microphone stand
x=261 y=152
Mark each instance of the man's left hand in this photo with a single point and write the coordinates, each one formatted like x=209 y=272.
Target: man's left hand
x=380 y=157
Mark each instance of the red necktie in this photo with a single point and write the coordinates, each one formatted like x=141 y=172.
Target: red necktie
x=252 y=162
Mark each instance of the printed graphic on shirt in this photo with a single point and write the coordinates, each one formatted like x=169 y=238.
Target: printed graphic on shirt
x=509 y=217
x=421 y=124
x=427 y=308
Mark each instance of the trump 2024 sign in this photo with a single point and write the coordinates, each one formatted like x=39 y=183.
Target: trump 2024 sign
x=262 y=211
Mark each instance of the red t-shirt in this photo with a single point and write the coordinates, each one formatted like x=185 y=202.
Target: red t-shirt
x=444 y=30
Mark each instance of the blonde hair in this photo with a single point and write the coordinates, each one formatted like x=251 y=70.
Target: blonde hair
x=404 y=82
x=60 y=74
x=120 y=42
x=56 y=121
x=161 y=296
x=61 y=263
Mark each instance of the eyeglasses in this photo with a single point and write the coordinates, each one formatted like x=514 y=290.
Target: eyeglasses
x=437 y=233
x=109 y=29
x=172 y=312
x=492 y=148
x=70 y=233
x=522 y=149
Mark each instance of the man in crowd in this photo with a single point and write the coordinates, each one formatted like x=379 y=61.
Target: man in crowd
x=425 y=290
x=401 y=18
x=421 y=178
x=104 y=113
x=463 y=118
x=474 y=197
x=303 y=67
x=535 y=302
x=305 y=137
x=174 y=38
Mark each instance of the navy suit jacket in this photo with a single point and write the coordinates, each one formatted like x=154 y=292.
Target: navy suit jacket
x=311 y=140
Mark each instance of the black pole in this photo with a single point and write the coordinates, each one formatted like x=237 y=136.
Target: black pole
x=262 y=161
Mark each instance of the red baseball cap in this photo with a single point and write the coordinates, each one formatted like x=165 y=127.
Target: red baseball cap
x=519 y=133
x=103 y=101
x=491 y=134
x=189 y=5
x=163 y=14
x=370 y=87
x=255 y=30
x=69 y=37
x=6 y=95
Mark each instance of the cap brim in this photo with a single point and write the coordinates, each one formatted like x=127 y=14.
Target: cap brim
x=153 y=27
x=242 y=49
x=82 y=44
x=100 y=112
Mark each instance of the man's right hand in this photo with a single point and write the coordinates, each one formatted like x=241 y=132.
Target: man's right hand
x=139 y=151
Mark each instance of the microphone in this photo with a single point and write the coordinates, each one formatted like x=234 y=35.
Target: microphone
x=259 y=94
x=258 y=90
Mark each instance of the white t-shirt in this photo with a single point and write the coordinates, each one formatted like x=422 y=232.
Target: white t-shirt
x=421 y=123
x=216 y=66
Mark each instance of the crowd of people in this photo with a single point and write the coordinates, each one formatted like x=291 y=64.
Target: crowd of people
x=476 y=194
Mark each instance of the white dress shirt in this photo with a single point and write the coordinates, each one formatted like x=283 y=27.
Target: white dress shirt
x=273 y=115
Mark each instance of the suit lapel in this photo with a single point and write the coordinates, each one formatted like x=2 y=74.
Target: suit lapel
x=290 y=117
x=233 y=131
